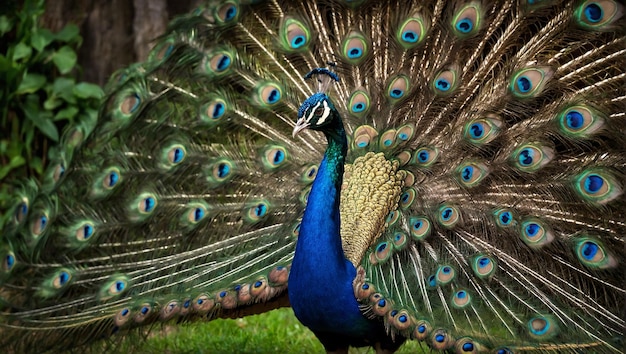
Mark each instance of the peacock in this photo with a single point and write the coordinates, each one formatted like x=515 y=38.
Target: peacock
x=450 y=172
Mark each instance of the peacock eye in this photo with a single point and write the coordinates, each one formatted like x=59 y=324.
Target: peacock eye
x=319 y=111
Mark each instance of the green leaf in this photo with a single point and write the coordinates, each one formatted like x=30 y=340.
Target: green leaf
x=21 y=51
x=64 y=87
x=31 y=83
x=10 y=72
x=16 y=162
x=87 y=90
x=51 y=103
x=66 y=113
x=36 y=164
x=65 y=59
x=41 y=39
x=68 y=33
x=5 y=24
x=41 y=119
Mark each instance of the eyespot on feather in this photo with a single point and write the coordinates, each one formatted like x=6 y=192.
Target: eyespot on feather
x=483 y=266
x=535 y=233
x=194 y=213
x=173 y=155
x=227 y=12
x=227 y=299
x=7 y=256
x=420 y=227
x=461 y=299
x=295 y=35
x=580 y=121
x=467 y=345
x=542 y=327
x=161 y=51
x=309 y=173
x=422 y=330
x=445 y=274
x=412 y=31
x=355 y=47
x=445 y=82
x=482 y=130
x=146 y=203
x=382 y=306
x=256 y=211
x=258 y=287
x=85 y=231
x=203 y=304
x=214 y=111
x=39 y=224
x=598 y=15
x=401 y=320
x=403 y=157
x=130 y=104
x=387 y=139
x=448 y=216
x=169 y=310
x=426 y=156
x=530 y=82
x=122 y=317
x=186 y=306
x=363 y=135
x=392 y=218
x=114 y=287
x=593 y=254
x=267 y=94
x=364 y=291
x=407 y=198
x=383 y=251
x=219 y=62
x=399 y=240
x=398 y=88
x=440 y=339
x=359 y=103
x=274 y=156
x=142 y=312
x=471 y=173
x=111 y=178
x=21 y=211
x=467 y=20
x=597 y=185
x=278 y=276
x=405 y=133
x=220 y=171
x=504 y=217
x=531 y=157
x=409 y=179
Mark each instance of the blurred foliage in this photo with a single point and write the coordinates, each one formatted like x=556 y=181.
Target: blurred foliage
x=39 y=91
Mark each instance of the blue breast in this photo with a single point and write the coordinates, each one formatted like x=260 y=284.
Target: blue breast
x=320 y=281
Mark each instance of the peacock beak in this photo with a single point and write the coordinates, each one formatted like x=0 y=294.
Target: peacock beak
x=301 y=124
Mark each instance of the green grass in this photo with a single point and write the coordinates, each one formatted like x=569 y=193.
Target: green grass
x=277 y=331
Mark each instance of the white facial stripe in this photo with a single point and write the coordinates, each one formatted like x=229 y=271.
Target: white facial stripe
x=308 y=118
x=325 y=115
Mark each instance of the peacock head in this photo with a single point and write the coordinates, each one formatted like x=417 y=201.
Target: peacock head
x=318 y=112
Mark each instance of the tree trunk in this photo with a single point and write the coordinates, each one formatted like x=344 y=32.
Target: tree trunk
x=115 y=32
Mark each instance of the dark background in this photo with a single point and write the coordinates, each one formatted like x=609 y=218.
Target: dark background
x=115 y=32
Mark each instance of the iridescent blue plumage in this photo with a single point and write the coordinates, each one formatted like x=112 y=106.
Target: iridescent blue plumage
x=320 y=282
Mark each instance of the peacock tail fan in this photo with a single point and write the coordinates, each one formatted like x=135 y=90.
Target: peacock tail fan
x=482 y=199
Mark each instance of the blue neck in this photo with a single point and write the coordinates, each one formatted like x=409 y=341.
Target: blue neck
x=320 y=280
x=319 y=241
